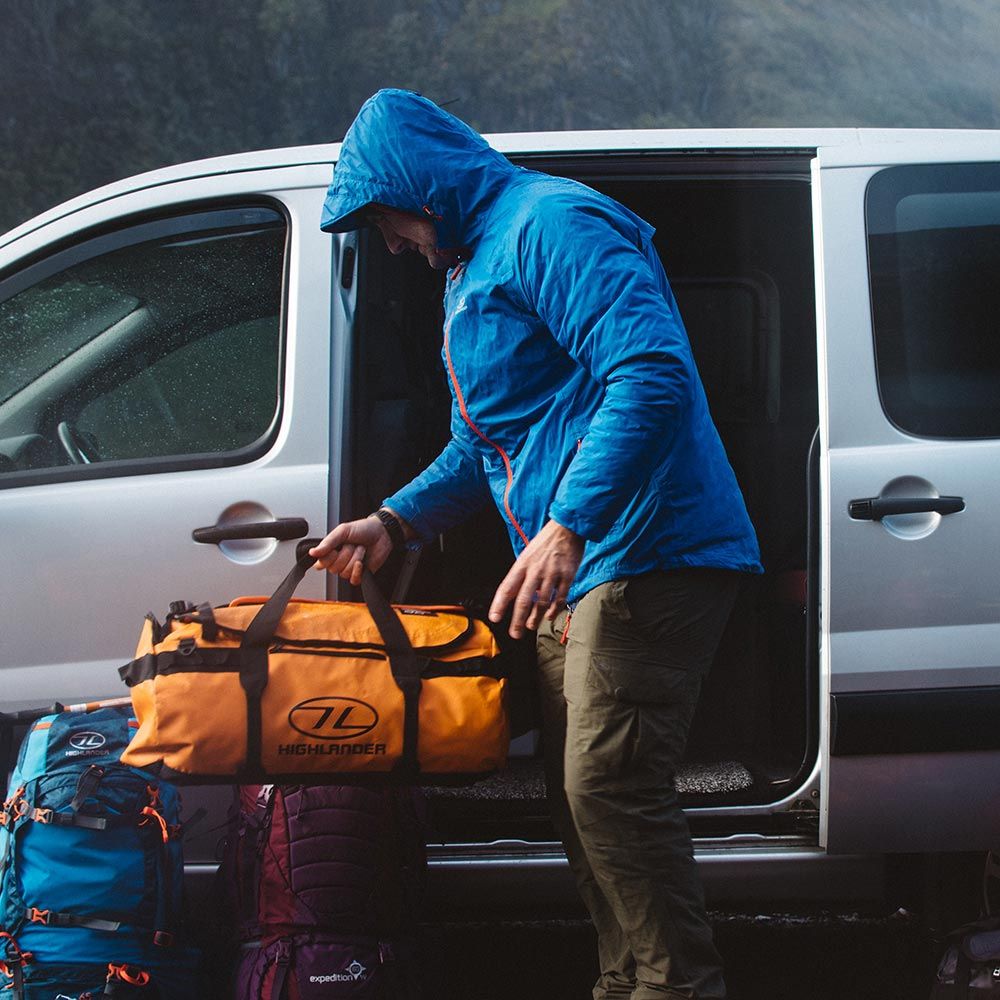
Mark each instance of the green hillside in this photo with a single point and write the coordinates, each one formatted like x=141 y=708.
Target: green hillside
x=93 y=90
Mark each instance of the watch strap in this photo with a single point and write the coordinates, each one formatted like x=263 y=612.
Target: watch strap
x=391 y=524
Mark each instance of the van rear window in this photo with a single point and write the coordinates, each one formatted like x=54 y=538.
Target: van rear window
x=934 y=260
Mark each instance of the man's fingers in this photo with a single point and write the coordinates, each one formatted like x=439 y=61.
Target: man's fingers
x=509 y=586
x=545 y=603
x=535 y=617
x=558 y=601
x=358 y=565
x=331 y=543
x=324 y=562
x=524 y=605
x=539 y=581
x=531 y=599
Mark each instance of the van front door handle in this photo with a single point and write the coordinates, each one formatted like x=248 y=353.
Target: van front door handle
x=875 y=508
x=282 y=528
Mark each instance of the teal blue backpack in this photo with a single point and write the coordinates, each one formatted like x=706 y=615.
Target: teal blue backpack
x=91 y=868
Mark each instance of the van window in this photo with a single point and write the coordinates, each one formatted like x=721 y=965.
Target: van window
x=934 y=256
x=157 y=342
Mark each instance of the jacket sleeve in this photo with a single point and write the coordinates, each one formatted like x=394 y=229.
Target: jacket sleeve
x=450 y=489
x=587 y=276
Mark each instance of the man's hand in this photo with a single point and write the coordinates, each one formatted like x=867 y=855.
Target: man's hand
x=343 y=551
x=540 y=579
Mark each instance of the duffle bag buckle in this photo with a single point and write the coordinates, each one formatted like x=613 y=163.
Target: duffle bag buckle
x=42 y=815
x=37 y=916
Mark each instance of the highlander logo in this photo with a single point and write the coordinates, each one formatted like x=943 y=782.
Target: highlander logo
x=333 y=718
x=86 y=743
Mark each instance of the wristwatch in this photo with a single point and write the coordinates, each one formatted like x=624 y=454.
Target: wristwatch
x=391 y=524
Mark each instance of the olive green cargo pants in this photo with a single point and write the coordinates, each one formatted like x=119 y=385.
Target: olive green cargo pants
x=617 y=700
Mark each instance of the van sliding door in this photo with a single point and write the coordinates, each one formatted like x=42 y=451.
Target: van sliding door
x=908 y=306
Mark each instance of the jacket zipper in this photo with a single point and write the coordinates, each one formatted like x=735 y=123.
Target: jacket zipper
x=465 y=416
x=564 y=638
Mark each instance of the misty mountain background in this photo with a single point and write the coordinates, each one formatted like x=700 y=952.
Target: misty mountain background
x=95 y=90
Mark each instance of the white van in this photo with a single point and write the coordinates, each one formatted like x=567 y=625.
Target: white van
x=192 y=376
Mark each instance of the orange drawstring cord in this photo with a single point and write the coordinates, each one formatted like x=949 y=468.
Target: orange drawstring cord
x=128 y=974
x=149 y=811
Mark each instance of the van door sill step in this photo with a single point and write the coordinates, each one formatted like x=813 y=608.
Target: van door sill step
x=524 y=781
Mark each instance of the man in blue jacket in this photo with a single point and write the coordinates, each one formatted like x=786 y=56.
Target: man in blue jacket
x=578 y=409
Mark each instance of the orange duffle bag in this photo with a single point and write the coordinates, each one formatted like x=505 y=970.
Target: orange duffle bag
x=293 y=690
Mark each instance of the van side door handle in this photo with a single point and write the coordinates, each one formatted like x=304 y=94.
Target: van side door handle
x=282 y=528
x=875 y=508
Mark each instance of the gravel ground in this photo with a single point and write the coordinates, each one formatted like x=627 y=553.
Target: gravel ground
x=820 y=956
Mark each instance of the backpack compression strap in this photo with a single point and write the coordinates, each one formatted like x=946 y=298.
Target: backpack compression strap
x=52 y=919
x=13 y=965
x=282 y=960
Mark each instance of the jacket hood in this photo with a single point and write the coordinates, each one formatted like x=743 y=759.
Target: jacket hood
x=403 y=151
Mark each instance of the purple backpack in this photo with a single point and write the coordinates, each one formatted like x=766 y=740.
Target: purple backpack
x=322 y=886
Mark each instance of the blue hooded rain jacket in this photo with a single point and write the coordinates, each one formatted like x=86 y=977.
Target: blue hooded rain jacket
x=575 y=393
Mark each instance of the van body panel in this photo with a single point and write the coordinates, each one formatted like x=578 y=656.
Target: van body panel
x=911 y=803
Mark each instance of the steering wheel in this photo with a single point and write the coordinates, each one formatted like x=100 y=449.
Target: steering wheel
x=72 y=444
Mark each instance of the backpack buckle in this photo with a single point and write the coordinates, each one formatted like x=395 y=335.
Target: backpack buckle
x=283 y=956
x=42 y=815
x=130 y=974
x=37 y=916
x=14 y=808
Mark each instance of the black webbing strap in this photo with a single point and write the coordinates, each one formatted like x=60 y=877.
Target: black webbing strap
x=17 y=972
x=163 y=920
x=15 y=960
x=405 y=665
x=52 y=919
x=205 y=615
x=282 y=960
x=253 y=652
x=252 y=835
x=82 y=821
x=87 y=786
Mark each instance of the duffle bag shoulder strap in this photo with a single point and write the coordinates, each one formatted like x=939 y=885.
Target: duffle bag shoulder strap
x=405 y=665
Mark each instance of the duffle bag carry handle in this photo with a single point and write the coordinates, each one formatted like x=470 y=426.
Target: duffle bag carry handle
x=404 y=663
